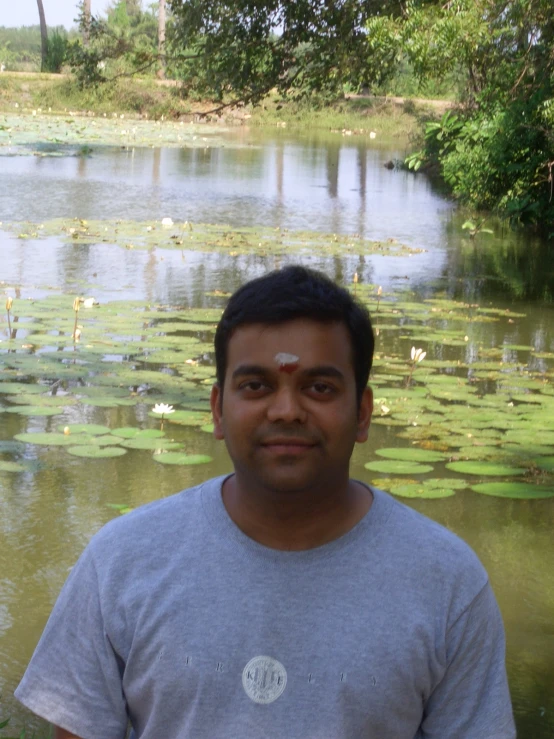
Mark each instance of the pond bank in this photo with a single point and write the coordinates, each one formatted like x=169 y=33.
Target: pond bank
x=147 y=98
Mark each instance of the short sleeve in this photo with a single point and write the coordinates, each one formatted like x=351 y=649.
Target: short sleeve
x=472 y=699
x=74 y=677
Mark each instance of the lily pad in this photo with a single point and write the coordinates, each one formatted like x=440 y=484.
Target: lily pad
x=130 y=432
x=519 y=490
x=398 y=467
x=419 y=490
x=412 y=454
x=545 y=463
x=485 y=469
x=34 y=410
x=45 y=438
x=145 y=442
x=96 y=452
x=13 y=388
x=87 y=428
x=11 y=467
x=185 y=418
x=182 y=458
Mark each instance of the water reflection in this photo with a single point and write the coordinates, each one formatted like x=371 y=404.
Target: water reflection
x=333 y=185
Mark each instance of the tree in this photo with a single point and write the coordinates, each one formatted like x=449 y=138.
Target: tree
x=248 y=47
x=43 y=36
x=86 y=22
x=497 y=151
x=161 y=38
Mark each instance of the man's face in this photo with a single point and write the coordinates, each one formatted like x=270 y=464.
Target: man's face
x=289 y=414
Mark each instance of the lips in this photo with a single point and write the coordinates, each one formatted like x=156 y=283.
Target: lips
x=287 y=441
x=287 y=446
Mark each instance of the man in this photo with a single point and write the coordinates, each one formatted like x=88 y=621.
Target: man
x=284 y=601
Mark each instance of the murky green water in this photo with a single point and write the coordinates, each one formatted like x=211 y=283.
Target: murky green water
x=328 y=184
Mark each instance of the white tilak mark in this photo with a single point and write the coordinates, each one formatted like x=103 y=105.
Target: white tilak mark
x=285 y=358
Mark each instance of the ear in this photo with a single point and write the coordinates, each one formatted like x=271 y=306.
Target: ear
x=364 y=415
x=217 y=416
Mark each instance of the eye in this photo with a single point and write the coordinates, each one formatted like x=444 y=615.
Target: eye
x=321 y=388
x=253 y=387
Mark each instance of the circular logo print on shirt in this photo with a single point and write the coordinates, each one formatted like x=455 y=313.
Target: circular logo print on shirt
x=264 y=679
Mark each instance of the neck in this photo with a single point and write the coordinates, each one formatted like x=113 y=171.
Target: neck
x=295 y=521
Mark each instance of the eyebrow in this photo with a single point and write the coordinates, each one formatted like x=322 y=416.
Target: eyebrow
x=322 y=370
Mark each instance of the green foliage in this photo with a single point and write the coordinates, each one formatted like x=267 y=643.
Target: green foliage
x=123 y=43
x=57 y=51
x=497 y=152
x=245 y=48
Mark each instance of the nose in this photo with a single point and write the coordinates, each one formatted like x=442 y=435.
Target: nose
x=286 y=405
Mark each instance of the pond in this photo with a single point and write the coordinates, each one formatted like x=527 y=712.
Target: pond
x=465 y=436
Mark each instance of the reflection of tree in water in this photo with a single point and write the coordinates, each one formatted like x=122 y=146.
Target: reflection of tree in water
x=516 y=266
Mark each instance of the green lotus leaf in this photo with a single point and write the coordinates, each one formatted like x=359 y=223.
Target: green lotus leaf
x=411 y=454
x=13 y=388
x=398 y=467
x=420 y=490
x=106 y=440
x=208 y=428
x=96 y=452
x=93 y=391
x=185 y=418
x=11 y=467
x=482 y=452
x=485 y=469
x=95 y=429
x=34 y=410
x=108 y=402
x=530 y=435
x=528 y=398
x=166 y=357
x=545 y=463
x=52 y=401
x=130 y=432
x=182 y=458
x=519 y=490
x=532 y=451
x=44 y=438
x=146 y=443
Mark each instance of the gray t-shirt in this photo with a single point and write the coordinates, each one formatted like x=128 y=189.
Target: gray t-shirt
x=175 y=619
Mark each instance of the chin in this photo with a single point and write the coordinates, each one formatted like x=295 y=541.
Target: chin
x=289 y=484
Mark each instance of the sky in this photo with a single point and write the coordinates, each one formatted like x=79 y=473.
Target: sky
x=57 y=12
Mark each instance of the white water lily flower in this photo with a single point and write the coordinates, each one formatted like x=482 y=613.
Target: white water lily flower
x=385 y=409
x=417 y=355
x=167 y=222
x=163 y=408
x=89 y=302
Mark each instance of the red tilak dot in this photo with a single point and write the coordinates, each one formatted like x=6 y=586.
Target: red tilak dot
x=288 y=368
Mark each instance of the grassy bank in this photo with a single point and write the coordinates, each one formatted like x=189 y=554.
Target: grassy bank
x=147 y=98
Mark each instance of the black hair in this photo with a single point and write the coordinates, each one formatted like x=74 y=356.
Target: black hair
x=297 y=292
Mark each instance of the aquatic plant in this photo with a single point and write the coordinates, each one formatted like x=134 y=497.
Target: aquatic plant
x=416 y=355
x=164 y=410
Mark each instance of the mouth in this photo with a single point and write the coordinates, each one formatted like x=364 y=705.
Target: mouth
x=288 y=445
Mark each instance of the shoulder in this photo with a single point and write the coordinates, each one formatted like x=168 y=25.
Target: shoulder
x=423 y=551
x=158 y=527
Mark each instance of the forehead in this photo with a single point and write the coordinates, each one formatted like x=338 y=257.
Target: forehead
x=311 y=341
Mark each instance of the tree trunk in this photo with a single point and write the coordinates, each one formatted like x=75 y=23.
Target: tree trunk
x=43 y=36
x=161 y=38
x=86 y=22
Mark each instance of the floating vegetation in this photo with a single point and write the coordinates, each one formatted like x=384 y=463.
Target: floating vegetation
x=182 y=458
x=471 y=409
x=519 y=490
x=51 y=136
x=205 y=237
